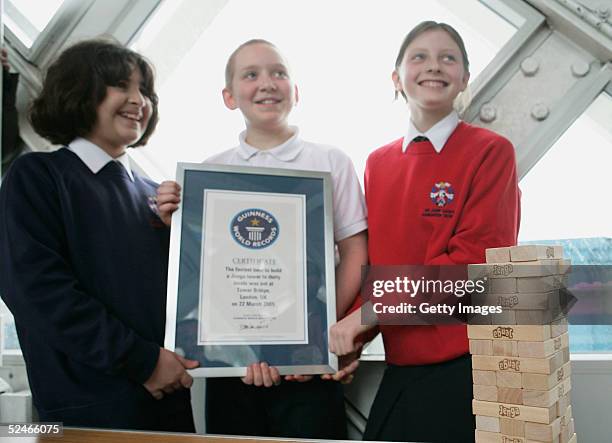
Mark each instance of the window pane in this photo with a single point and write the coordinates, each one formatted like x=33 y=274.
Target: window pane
x=8 y=334
x=341 y=53
x=27 y=18
x=565 y=202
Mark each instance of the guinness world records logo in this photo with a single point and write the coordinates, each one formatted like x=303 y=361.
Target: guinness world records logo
x=254 y=228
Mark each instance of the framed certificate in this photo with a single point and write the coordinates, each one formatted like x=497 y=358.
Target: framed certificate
x=251 y=270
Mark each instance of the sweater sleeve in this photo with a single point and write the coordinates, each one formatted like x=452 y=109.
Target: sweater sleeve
x=10 y=124
x=491 y=215
x=39 y=286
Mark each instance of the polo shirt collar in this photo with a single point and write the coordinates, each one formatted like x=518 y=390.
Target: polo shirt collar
x=95 y=158
x=438 y=134
x=286 y=151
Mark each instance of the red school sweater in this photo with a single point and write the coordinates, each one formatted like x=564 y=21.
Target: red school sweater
x=439 y=209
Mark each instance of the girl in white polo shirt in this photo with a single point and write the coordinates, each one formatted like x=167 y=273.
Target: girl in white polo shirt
x=259 y=84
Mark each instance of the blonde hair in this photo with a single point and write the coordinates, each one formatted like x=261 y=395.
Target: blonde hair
x=229 y=66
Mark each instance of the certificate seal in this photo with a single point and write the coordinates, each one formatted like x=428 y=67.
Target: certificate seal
x=254 y=228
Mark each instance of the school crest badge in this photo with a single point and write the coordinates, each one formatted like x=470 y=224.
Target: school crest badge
x=442 y=193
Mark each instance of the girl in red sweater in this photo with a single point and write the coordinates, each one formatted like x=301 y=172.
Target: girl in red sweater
x=440 y=195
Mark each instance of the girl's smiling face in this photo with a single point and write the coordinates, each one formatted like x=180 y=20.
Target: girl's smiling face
x=122 y=117
x=261 y=87
x=432 y=73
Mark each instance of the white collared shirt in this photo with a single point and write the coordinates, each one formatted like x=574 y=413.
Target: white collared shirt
x=348 y=202
x=285 y=152
x=95 y=158
x=438 y=134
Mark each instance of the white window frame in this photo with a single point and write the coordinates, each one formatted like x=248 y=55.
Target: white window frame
x=527 y=21
x=76 y=20
x=574 y=105
x=59 y=27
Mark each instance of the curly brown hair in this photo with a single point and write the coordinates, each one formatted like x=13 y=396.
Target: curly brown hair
x=75 y=85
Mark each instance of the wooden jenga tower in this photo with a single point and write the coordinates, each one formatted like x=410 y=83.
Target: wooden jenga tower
x=520 y=362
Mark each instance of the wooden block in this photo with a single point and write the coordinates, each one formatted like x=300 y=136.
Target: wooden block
x=537 y=301
x=564 y=435
x=509 y=379
x=510 y=395
x=543 y=432
x=563 y=403
x=567 y=416
x=546 y=365
x=567 y=431
x=506 y=348
x=524 y=253
x=558 y=327
x=534 y=317
x=565 y=266
x=544 y=382
x=481 y=347
x=502 y=286
x=537 y=268
x=514 y=412
x=506 y=301
x=541 y=349
x=478 y=271
x=549 y=397
x=487 y=437
x=497 y=255
x=485 y=393
x=521 y=333
x=566 y=354
x=478 y=319
x=497 y=437
x=484 y=423
x=551 y=314
x=560 y=357
x=515 y=428
x=506 y=317
x=486 y=378
x=573 y=439
x=527 y=285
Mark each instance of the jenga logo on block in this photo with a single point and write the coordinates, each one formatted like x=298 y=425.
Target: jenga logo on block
x=561 y=391
x=503 y=332
x=507 y=364
x=502 y=270
x=557 y=343
x=550 y=252
x=508 y=302
x=506 y=439
x=560 y=374
x=509 y=411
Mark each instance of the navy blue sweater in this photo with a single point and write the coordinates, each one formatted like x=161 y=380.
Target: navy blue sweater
x=83 y=266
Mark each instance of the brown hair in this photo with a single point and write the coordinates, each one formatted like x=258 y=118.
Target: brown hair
x=229 y=66
x=430 y=26
x=75 y=85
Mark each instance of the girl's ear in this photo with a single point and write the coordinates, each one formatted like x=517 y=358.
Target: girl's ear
x=297 y=94
x=396 y=81
x=228 y=99
x=466 y=79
